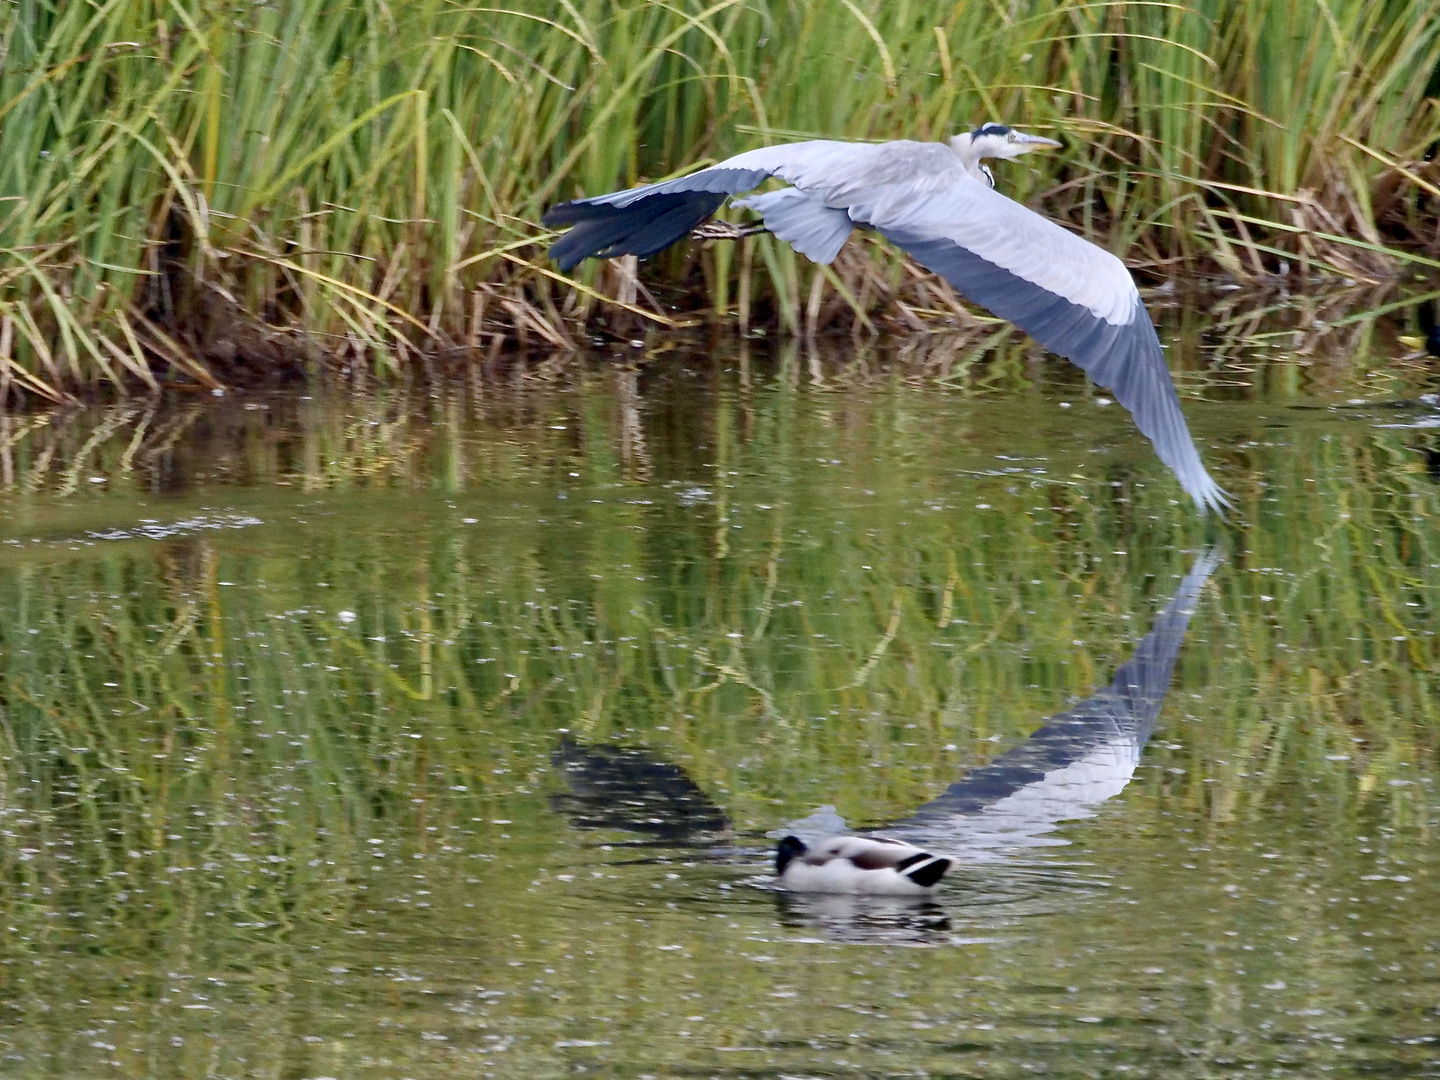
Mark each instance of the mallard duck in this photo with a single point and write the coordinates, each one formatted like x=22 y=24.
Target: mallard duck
x=858 y=864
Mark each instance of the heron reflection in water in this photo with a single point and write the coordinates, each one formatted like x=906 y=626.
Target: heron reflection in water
x=937 y=202
x=1062 y=772
x=1077 y=760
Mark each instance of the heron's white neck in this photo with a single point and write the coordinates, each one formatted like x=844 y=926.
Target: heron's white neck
x=964 y=148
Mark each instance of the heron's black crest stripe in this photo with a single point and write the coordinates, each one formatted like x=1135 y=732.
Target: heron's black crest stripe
x=991 y=129
x=1126 y=358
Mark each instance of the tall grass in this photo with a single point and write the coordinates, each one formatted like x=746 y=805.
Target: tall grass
x=187 y=185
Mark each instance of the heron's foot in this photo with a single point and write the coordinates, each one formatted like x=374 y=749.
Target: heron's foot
x=726 y=230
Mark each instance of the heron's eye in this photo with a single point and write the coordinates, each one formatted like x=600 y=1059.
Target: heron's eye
x=1011 y=137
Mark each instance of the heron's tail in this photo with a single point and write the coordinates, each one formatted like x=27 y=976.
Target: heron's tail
x=643 y=227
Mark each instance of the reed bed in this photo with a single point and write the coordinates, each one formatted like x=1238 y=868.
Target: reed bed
x=194 y=191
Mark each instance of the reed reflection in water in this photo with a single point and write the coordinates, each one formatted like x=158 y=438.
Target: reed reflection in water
x=282 y=684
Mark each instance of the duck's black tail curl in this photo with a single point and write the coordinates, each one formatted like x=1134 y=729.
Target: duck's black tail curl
x=923 y=873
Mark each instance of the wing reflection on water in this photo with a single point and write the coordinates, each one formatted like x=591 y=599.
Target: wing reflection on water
x=614 y=787
x=1082 y=757
x=1076 y=761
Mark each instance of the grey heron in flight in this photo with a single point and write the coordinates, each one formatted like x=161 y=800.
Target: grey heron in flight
x=936 y=202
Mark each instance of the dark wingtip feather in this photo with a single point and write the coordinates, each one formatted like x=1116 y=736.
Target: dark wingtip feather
x=641 y=227
x=565 y=213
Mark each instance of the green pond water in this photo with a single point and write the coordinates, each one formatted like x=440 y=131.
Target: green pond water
x=437 y=733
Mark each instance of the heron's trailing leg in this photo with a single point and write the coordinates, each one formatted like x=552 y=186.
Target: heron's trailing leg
x=715 y=229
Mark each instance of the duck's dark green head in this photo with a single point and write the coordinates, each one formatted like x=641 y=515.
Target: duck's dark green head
x=790 y=848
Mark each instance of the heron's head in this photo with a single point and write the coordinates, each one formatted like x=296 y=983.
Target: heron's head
x=997 y=141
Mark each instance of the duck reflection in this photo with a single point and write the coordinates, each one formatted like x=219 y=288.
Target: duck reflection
x=865 y=919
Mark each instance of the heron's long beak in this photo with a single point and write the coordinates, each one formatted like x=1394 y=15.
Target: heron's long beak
x=1036 y=142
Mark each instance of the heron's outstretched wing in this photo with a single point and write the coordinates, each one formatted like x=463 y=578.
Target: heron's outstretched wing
x=649 y=218
x=643 y=220
x=1073 y=297
x=643 y=229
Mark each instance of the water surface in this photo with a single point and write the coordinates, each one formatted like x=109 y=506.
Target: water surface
x=398 y=733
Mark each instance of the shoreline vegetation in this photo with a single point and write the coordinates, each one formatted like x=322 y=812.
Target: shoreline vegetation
x=198 y=191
